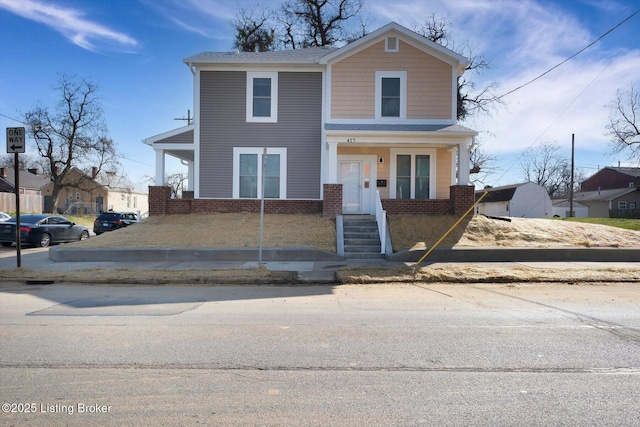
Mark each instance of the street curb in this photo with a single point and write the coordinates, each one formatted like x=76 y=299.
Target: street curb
x=522 y=255
x=67 y=254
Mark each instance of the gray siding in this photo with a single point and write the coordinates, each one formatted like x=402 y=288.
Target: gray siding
x=223 y=126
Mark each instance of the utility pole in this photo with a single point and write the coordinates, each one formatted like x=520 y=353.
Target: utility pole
x=571 y=214
x=188 y=119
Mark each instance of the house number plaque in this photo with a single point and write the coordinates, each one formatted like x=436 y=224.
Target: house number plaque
x=351 y=140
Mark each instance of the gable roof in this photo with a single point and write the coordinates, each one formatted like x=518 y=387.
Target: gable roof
x=602 y=195
x=28 y=180
x=634 y=172
x=324 y=54
x=499 y=194
x=408 y=36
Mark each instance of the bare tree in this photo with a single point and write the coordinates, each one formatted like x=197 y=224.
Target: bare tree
x=623 y=127
x=177 y=182
x=545 y=165
x=470 y=99
x=73 y=136
x=25 y=162
x=254 y=34
x=309 y=23
x=482 y=164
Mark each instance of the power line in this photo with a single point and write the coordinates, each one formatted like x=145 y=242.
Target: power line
x=561 y=63
x=14 y=119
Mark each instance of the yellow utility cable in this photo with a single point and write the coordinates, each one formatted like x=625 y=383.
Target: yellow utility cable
x=451 y=229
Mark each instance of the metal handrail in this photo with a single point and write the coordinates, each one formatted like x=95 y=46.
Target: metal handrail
x=381 y=219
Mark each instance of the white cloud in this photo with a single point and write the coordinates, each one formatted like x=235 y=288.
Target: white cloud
x=202 y=17
x=71 y=23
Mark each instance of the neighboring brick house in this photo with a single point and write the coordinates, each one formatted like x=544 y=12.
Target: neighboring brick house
x=609 y=178
x=338 y=125
x=87 y=196
x=612 y=192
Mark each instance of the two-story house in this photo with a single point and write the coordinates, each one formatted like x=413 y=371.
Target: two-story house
x=327 y=130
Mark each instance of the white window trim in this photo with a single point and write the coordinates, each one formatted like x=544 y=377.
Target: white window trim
x=274 y=96
x=395 y=152
x=403 y=94
x=622 y=204
x=237 y=151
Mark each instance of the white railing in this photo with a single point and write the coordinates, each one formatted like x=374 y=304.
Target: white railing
x=381 y=219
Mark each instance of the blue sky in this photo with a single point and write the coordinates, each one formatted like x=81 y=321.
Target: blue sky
x=133 y=50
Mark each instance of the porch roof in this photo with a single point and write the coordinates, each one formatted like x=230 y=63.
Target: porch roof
x=455 y=129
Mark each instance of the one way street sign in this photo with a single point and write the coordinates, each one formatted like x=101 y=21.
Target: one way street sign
x=16 y=140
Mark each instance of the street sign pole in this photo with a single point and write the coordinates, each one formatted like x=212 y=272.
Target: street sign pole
x=18 y=243
x=16 y=141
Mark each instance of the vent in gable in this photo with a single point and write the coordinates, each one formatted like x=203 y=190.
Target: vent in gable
x=392 y=44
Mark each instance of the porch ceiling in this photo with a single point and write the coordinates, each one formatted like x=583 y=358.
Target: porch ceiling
x=181 y=154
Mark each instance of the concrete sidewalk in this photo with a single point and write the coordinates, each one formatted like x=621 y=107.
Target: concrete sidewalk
x=305 y=271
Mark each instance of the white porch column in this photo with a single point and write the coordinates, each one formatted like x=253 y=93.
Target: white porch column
x=332 y=178
x=190 y=175
x=159 y=167
x=464 y=158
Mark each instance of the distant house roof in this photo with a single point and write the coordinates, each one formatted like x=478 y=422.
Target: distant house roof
x=602 y=195
x=6 y=186
x=499 y=194
x=564 y=203
x=28 y=180
x=634 y=172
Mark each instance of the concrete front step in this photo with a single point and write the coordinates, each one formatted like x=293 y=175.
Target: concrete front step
x=361 y=239
x=361 y=242
x=361 y=248
x=364 y=255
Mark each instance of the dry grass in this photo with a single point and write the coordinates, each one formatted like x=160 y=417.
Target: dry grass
x=477 y=273
x=239 y=230
x=221 y=230
x=419 y=232
x=408 y=232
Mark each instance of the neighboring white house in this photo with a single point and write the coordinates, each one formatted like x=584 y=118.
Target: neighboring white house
x=561 y=209
x=526 y=200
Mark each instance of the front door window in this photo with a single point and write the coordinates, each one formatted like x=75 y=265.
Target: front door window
x=350 y=177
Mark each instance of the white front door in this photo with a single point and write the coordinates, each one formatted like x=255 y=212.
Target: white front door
x=351 y=180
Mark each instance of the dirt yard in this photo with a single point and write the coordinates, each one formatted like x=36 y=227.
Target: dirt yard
x=242 y=230
x=407 y=232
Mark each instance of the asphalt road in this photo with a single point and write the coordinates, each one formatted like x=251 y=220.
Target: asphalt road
x=481 y=355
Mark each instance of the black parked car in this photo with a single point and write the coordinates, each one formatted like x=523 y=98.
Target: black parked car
x=42 y=230
x=109 y=221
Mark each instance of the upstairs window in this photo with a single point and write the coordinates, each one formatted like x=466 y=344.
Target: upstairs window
x=391 y=95
x=262 y=97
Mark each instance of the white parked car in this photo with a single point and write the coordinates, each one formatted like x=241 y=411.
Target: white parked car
x=4 y=216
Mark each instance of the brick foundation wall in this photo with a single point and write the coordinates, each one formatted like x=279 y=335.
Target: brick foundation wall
x=462 y=198
x=158 y=197
x=160 y=203
x=332 y=203
x=417 y=207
